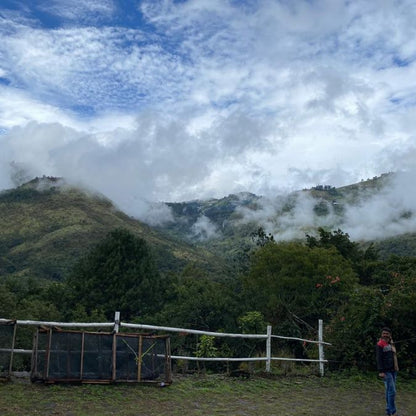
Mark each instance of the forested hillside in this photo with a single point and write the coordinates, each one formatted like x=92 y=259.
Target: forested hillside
x=225 y=226
x=70 y=255
x=46 y=225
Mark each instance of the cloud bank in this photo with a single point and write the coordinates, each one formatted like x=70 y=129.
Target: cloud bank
x=171 y=101
x=366 y=215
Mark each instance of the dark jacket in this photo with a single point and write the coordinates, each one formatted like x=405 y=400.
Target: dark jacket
x=385 y=357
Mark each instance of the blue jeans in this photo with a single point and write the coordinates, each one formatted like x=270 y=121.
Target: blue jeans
x=390 y=387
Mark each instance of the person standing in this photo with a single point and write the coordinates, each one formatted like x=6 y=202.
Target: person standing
x=387 y=367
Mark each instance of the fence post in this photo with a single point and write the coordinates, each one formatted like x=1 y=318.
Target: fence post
x=269 y=348
x=12 y=352
x=321 y=347
x=116 y=322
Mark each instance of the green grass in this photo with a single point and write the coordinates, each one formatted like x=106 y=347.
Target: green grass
x=209 y=395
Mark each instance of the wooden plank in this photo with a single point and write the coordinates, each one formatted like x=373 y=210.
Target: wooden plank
x=48 y=355
x=114 y=356
x=81 y=370
x=139 y=358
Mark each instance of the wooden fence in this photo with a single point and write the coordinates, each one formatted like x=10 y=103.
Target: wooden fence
x=117 y=324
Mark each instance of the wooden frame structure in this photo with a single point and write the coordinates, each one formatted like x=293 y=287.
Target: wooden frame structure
x=100 y=357
x=268 y=337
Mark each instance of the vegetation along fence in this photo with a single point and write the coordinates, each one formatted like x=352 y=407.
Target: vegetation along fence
x=8 y=349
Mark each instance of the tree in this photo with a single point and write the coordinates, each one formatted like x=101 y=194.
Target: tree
x=388 y=301
x=364 y=262
x=338 y=239
x=198 y=302
x=27 y=298
x=357 y=323
x=261 y=238
x=118 y=274
x=288 y=281
x=398 y=310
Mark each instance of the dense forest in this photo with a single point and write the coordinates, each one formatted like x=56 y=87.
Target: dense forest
x=289 y=285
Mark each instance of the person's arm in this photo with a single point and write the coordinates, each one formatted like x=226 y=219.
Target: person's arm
x=393 y=348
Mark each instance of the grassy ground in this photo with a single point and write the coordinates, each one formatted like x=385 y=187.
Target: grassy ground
x=209 y=395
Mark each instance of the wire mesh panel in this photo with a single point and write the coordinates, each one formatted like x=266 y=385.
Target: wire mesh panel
x=57 y=355
x=7 y=336
x=127 y=358
x=153 y=359
x=100 y=357
x=65 y=356
x=142 y=358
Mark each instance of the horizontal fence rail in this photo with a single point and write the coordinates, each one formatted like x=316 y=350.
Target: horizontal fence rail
x=239 y=359
x=62 y=324
x=310 y=341
x=191 y=331
x=117 y=324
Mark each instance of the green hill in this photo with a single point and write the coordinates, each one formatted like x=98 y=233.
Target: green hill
x=46 y=225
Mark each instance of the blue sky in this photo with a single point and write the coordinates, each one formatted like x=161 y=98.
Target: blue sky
x=166 y=100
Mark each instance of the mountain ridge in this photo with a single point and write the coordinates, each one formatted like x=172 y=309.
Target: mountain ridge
x=46 y=224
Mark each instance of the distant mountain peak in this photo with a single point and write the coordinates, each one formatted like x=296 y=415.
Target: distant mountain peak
x=45 y=182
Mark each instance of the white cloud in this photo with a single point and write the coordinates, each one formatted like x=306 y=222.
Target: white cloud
x=289 y=216
x=208 y=97
x=157 y=214
x=390 y=213
x=377 y=215
x=96 y=68
x=17 y=108
x=204 y=229
x=79 y=10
